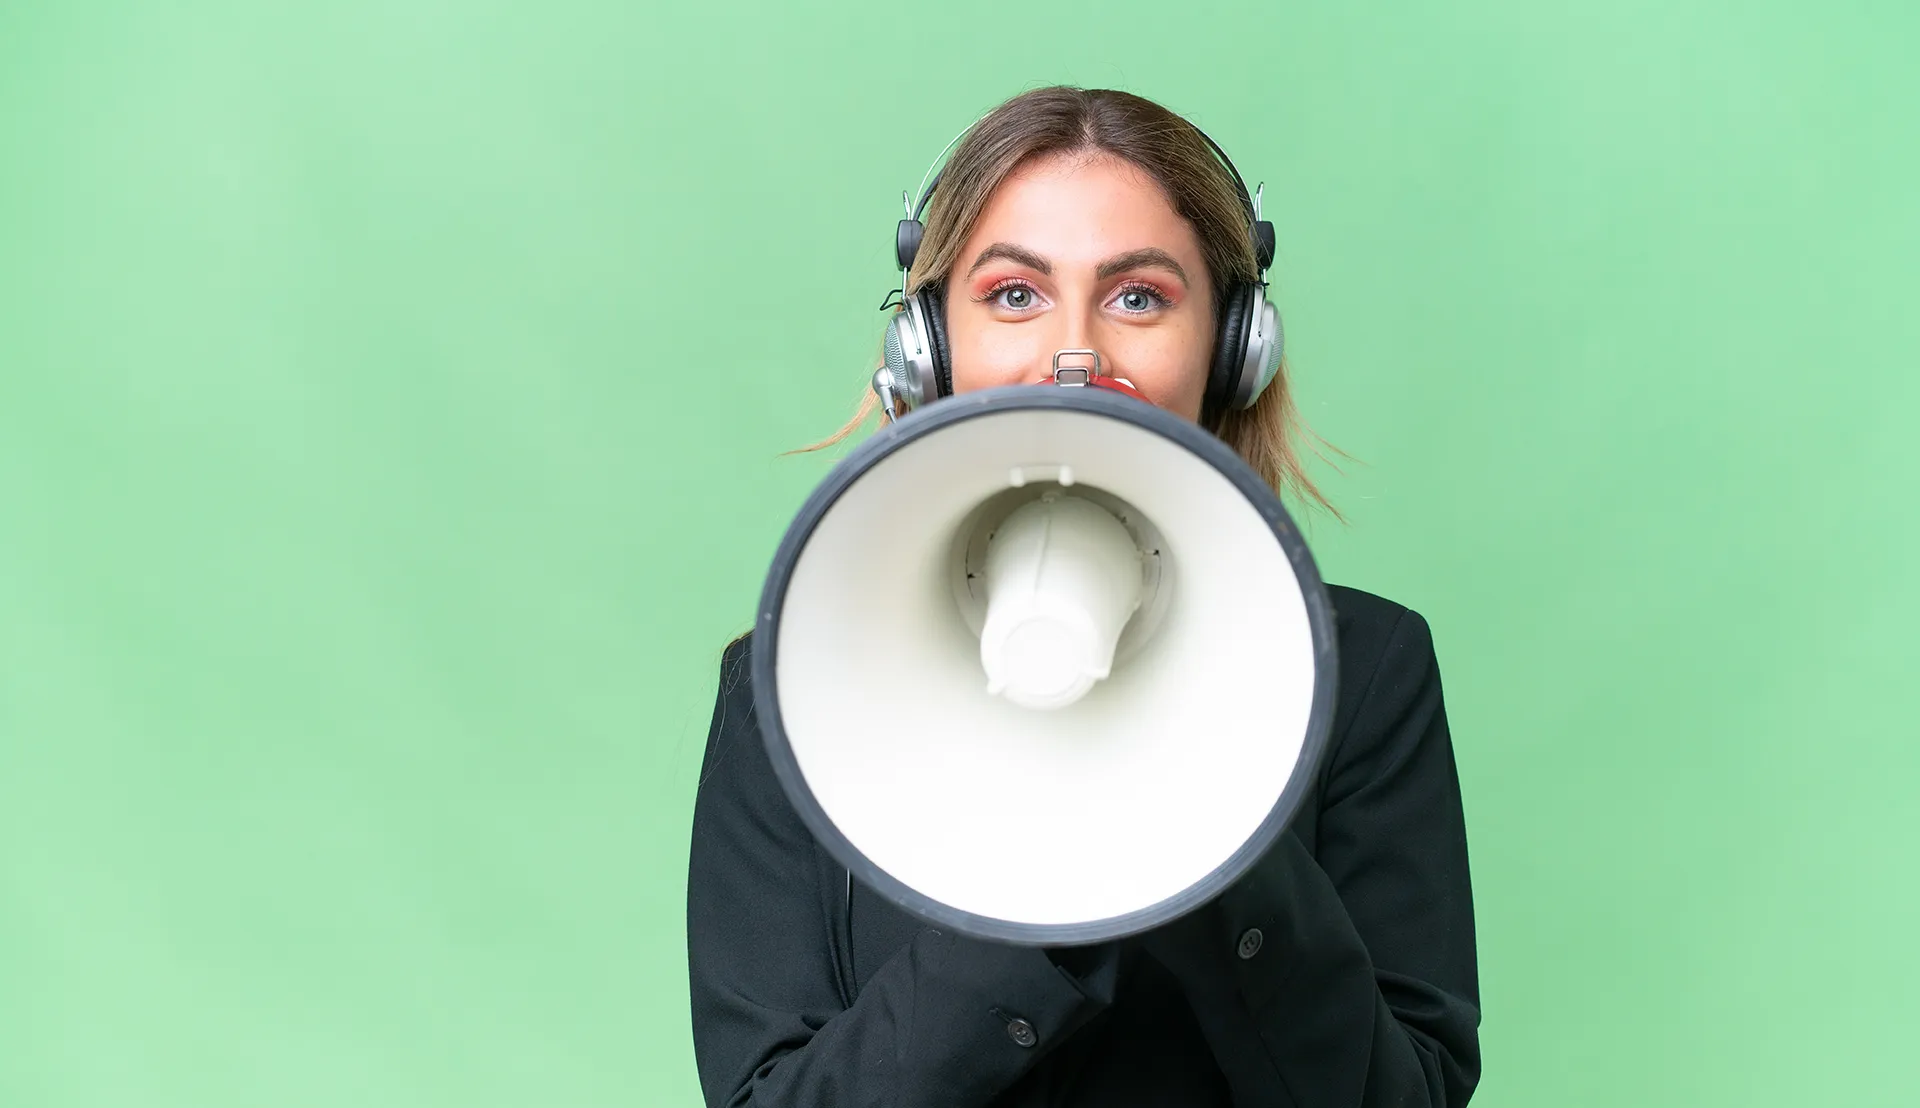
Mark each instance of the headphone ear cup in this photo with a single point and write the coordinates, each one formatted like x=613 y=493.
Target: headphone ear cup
x=1265 y=344
x=909 y=354
x=1229 y=353
x=934 y=307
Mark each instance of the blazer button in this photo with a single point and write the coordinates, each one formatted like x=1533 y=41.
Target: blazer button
x=1250 y=941
x=1022 y=1033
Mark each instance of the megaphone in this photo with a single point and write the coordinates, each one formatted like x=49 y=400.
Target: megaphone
x=1044 y=665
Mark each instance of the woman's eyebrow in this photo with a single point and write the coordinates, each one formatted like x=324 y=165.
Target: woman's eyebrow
x=1145 y=257
x=1012 y=253
x=1150 y=256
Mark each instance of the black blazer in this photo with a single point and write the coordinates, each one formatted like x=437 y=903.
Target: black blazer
x=1340 y=972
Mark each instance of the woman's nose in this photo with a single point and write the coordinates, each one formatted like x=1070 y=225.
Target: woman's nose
x=1076 y=331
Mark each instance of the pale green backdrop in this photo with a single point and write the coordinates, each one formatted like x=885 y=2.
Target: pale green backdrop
x=390 y=400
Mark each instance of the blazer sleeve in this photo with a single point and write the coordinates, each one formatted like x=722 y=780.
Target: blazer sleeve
x=1348 y=978
x=935 y=1025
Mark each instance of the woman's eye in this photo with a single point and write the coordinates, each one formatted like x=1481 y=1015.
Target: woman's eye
x=1138 y=300
x=1017 y=297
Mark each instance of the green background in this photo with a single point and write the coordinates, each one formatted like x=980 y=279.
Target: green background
x=391 y=396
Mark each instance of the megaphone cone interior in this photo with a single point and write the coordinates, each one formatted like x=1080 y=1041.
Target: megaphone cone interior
x=1156 y=636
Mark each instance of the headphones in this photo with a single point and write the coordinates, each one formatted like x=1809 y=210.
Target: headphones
x=1247 y=338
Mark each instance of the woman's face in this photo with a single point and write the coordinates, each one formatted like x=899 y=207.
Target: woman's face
x=1082 y=251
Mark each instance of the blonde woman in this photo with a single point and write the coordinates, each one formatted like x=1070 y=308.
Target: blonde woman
x=1340 y=972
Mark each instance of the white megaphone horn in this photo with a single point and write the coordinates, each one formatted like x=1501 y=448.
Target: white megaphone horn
x=1044 y=665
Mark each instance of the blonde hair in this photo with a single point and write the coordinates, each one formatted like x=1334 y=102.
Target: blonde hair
x=1065 y=120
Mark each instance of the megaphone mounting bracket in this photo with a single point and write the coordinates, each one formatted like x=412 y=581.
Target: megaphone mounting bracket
x=1077 y=376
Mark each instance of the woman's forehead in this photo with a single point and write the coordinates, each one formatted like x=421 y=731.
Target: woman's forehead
x=1080 y=208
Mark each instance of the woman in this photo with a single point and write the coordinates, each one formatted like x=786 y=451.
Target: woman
x=1340 y=972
